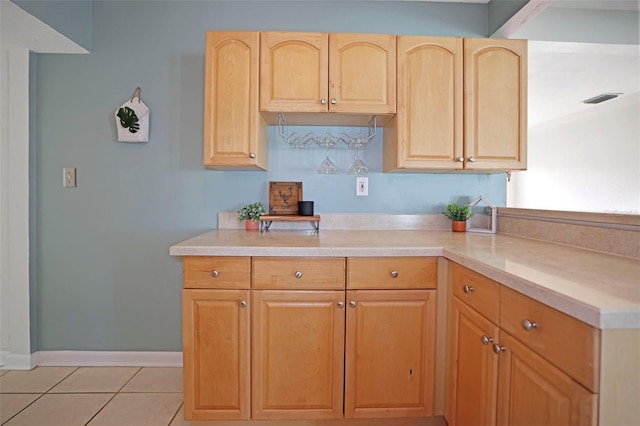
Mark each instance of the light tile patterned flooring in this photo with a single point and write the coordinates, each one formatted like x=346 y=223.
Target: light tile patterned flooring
x=92 y=396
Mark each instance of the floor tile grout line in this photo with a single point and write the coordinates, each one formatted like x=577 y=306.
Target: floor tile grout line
x=130 y=379
x=63 y=379
x=175 y=414
x=101 y=408
x=20 y=411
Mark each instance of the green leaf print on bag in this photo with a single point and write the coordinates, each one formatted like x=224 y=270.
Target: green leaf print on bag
x=128 y=119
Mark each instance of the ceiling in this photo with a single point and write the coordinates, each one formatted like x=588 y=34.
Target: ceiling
x=563 y=74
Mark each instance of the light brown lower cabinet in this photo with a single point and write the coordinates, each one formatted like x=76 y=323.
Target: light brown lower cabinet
x=495 y=379
x=389 y=353
x=473 y=386
x=287 y=338
x=298 y=354
x=216 y=367
x=532 y=391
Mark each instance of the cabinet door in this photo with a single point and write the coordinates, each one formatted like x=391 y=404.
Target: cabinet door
x=390 y=353
x=534 y=392
x=495 y=79
x=235 y=135
x=473 y=388
x=216 y=354
x=362 y=73
x=294 y=72
x=298 y=354
x=427 y=132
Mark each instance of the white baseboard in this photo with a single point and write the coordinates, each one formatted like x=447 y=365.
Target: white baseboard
x=108 y=359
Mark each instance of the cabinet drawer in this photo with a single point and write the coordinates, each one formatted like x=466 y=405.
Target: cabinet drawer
x=477 y=291
x=391 y=272
x=298 y=273
x=566 y=342
x=217 y=272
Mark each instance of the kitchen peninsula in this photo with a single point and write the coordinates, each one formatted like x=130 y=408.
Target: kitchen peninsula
x=561 y=315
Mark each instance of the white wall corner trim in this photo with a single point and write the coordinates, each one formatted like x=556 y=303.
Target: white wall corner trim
x=108 y=359
x=14 y=193
x=20 y=33
x=11 y=361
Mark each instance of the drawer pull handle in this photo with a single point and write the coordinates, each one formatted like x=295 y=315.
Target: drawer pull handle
x=340 y=305
x=529 y=325
x=497 y=348
x=243 y=303
x=394 y=274
x=486 y=340
x=467 y=289
x=353 y=303
x=215 y=273
x=298 y=274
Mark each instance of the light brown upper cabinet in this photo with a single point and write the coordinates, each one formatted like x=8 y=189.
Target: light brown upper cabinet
x=426 y=132
x=235 y=134
x=461 y=105
x=495 y=99
x=351 y=74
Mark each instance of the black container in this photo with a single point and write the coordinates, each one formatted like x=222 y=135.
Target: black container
x=305 y=208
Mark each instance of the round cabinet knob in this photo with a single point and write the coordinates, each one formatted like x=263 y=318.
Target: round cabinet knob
x=215 y=273
x=471 y=159
x=394 y=274
x=298 y=274
x=460 y=159
x=323 y=101
x=340 y=305
x=353 y=303
x=497 y=348
x=334 y=101
x=486 y=340
x=467 y=289
x=252 y=155
x=243 y=303
x=529 y=325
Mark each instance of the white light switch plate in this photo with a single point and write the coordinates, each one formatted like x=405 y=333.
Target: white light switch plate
x=362 y=186
x=69 y=177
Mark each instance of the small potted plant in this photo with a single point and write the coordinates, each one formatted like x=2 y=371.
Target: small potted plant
x=459 y=216
x=251 y=214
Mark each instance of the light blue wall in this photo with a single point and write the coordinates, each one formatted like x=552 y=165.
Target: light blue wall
x=500 y=11
x=105 y=280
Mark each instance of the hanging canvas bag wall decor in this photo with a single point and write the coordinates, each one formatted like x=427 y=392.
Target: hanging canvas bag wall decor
x=132 y=120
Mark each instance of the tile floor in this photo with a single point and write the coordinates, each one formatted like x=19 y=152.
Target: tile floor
x=92 y=396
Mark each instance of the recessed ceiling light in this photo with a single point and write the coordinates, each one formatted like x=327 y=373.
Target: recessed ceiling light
x=601 y=98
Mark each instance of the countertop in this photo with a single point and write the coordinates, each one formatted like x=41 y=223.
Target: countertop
x=600 y=289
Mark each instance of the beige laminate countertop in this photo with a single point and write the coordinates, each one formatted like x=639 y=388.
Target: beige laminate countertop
x=599 y=289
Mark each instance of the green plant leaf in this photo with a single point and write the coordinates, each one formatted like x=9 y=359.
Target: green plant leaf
x=458 y=213
x=128 y=119
x=251 y=211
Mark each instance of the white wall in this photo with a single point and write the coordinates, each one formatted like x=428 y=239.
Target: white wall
x=587 y=161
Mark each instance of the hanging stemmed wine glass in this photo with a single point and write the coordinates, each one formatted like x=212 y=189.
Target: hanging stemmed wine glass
x=359 y=141
x=327 y=166
x=358 y=166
